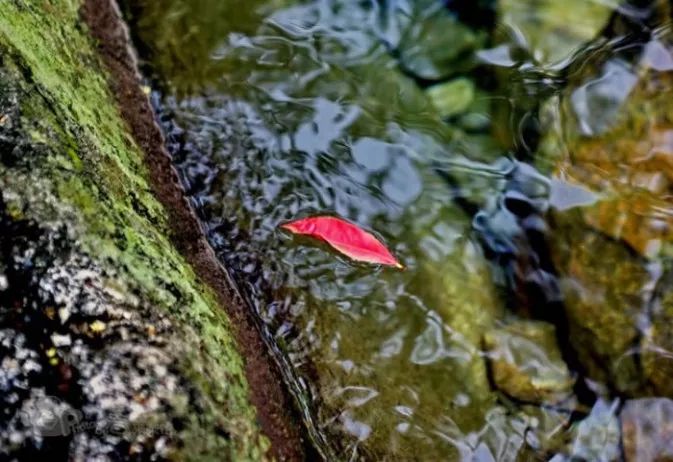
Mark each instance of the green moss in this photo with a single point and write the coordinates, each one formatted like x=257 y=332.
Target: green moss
x=93 y=168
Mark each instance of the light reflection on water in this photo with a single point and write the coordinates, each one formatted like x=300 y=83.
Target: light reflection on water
x=276 y=110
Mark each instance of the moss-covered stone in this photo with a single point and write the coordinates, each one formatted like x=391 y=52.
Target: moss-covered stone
x=657 y=341
x=602 y=284
x=434 y=44
x=554 y=30
x=453 y=97
x=610 y=132
x=100 y=318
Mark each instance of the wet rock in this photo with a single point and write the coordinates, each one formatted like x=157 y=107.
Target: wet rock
x=616 y=120
x=435 y=44
x=609 y=134
x=535 y=39
x=647 y=430
x=605 y=293
x=551 y=31
x=657 y=341
x=596 y=437
x=452 y=97
x=526 y=363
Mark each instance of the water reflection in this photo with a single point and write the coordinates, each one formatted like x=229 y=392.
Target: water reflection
x=520 y=169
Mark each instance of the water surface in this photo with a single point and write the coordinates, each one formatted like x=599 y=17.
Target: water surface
x=514 y=154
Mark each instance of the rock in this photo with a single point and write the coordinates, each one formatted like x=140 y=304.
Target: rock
x=88 y=272
x=620 y=146
x=453 y=97
x=609 y=133
x=657 y=341
x=526 y=363
x=647 y=430
x=596 y=437
x=535 y=39
x=605 y=299
x=553 y=30
x=435 y=44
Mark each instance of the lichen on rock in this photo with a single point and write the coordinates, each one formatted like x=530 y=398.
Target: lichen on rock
x=110 y=347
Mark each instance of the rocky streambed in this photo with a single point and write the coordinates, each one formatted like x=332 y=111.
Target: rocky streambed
x=514 y=154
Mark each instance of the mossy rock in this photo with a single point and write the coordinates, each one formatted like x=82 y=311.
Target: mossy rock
x=110 y=347
x=554 y=30
x=610 y=132
x=526 y=363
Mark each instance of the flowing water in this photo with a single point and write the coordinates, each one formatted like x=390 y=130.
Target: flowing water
x=516 y=155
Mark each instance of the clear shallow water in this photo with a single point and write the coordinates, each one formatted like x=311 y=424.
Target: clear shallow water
x=513 y=155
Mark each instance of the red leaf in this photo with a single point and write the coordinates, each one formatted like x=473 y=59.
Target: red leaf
x=347 y=238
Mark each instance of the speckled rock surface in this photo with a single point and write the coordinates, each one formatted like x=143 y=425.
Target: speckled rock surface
x=110 y=349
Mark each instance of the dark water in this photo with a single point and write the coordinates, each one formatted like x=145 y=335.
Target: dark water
x=516 y=155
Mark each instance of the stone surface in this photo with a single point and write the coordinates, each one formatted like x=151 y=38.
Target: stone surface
x=647 y=429
x=110 y=348
x=596 y=437
x=553 y=30
x=526 y=363
x=609 y=132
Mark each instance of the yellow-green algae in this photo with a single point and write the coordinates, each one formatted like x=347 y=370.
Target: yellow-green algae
x=94 y=168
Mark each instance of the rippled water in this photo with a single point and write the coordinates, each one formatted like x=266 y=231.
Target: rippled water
x=516 y=155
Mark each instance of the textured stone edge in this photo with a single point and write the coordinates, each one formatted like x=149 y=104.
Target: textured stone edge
x=106 y=179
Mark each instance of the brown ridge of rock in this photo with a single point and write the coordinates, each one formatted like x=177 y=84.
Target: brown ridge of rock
x=272 y=401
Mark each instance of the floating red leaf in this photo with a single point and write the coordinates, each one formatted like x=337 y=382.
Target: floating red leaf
x=347 y=238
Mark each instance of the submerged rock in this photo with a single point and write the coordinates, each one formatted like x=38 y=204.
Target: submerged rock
x=435 y=45
x=647 y=429
x=552 y=31
x=611 y=134
x=596 y=437
x=526 y=363
x=453 y=97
